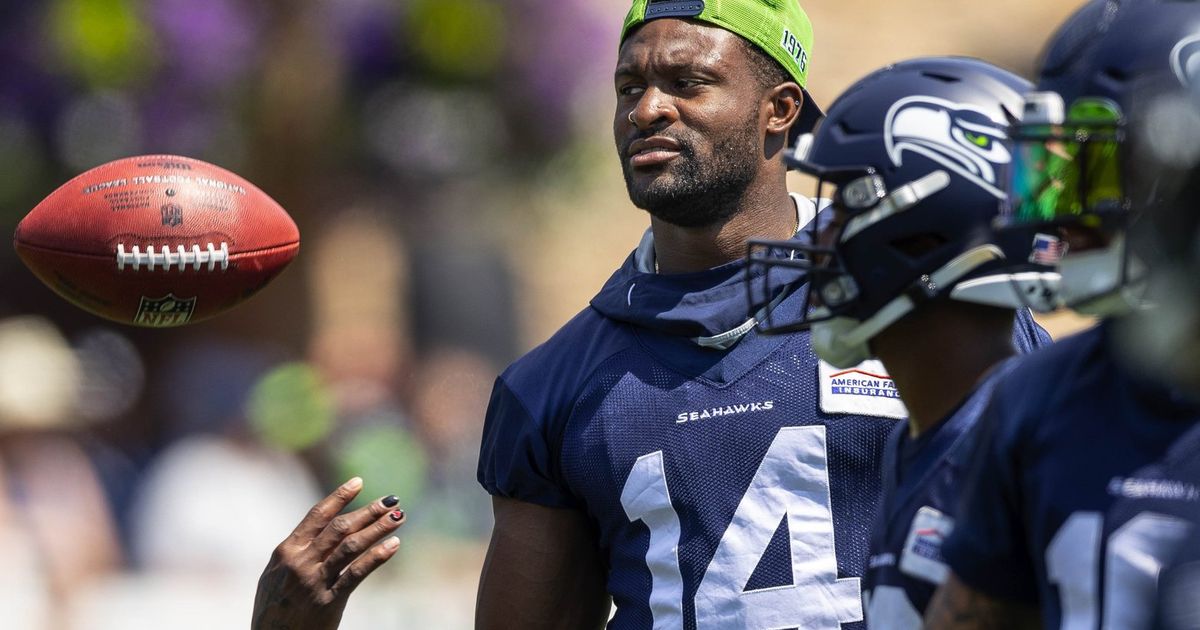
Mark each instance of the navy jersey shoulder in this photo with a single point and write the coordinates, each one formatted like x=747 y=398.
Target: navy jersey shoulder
x=530 y=404
x=922 y=481
x=1061 y=431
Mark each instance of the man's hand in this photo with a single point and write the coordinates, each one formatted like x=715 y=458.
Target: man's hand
x=312 y=572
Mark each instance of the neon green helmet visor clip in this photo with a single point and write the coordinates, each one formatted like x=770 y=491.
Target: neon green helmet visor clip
x=1067 y=164
x=780 y=28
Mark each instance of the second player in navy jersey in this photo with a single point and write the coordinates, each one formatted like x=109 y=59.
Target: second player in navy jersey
x=1069 y=434
x=1068 y=505
x=1164 y=344
x=909 y=271
x=922 y=487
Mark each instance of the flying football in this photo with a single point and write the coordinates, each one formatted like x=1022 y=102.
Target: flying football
x=157 y=240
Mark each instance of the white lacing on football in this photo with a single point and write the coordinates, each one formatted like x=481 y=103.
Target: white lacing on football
x=181 y=257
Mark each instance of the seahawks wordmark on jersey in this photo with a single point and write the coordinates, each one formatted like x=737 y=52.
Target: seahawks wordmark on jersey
x=1168 y=492
x=722 y=495
x=1062 y=442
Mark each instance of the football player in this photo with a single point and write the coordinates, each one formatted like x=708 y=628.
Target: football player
x=657 y=450
x=1165 y=342
x=646 y=454
x=1070 y=429
x=909 y=271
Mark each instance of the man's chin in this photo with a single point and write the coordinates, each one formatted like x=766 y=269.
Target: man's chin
x=685 y=211
x=648 y=189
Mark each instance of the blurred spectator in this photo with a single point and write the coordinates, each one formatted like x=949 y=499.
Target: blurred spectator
x=56 y=529
x=451 y=396
x=222 y=465
x=215 y=501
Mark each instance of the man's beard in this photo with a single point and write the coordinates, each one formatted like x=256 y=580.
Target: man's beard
x=694 y=193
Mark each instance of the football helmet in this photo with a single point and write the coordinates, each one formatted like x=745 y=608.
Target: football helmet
x=1103 y=76
x=916 y=155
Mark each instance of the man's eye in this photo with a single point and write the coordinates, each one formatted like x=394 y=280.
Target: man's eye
x=686 y=84
x=630 y=90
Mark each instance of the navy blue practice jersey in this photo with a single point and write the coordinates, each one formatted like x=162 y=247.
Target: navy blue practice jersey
x=922 y=485
x=729 y=488
x=1165 y=498
x=1065 y=438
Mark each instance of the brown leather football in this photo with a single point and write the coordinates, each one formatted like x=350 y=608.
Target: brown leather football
x=157 y=240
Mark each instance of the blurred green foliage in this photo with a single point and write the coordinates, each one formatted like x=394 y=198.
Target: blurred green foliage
x=389 y=459
x=105 y=41
x=290 y=407
x=460 y=39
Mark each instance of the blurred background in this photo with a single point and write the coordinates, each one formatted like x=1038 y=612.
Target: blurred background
x=450 y=165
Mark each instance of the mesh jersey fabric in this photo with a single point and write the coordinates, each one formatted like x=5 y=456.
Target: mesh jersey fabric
x=1064 y=432
x=922 y=485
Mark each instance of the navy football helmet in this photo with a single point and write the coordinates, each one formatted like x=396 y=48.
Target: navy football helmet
x=1112 y=97
x=917 y=156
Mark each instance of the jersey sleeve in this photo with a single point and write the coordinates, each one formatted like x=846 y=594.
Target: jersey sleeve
x=1028 y=335
x=516 y=457
x=988 y=547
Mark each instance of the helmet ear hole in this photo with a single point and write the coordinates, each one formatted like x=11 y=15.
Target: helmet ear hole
x=918 y=245
x=1116 y=75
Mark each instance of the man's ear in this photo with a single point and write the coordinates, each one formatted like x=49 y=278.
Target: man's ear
x=784 y=102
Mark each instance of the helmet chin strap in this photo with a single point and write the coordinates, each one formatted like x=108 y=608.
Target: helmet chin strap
x=850 y=343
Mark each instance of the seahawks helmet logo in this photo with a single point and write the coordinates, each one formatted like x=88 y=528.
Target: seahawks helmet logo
x=960 y=137
x=1185 y=60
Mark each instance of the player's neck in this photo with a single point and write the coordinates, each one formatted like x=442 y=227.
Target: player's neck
x=767 y=213
x=939 y=357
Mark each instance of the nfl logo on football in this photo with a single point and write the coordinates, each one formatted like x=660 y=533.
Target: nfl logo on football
x=165 y=312
x=172 y=215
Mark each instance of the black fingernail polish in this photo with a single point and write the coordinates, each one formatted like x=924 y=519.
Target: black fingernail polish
x=390 y=500
x=397 y=516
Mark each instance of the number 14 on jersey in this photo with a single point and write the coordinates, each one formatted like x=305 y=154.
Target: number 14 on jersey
x=792 y=482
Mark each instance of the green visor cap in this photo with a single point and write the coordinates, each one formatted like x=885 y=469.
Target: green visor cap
x=779 y=27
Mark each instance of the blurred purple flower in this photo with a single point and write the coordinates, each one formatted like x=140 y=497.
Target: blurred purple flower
x=565 y=45
x=176 y=123
x=211 y=42
x=27 y=88
x=367 y=33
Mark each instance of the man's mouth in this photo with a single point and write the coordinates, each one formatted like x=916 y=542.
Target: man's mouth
x=652 y=152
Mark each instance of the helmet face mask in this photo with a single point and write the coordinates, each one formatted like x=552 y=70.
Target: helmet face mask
x=1067 y=169
x=861 y=199
x=815 y=251
x=1087 y=160
x=1068 y=177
